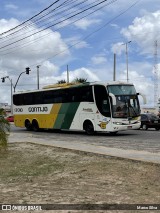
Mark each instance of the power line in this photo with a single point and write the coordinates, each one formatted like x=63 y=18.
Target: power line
x=85 y=38
x=89 y=35
x=61 y=12
x=61 y=22
x=30 y=18
x=33 y=21
x=54 y=24
x=95 y=31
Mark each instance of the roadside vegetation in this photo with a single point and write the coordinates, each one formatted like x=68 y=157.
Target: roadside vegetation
x=80 y=80
x=4 y=129
x=76 y=80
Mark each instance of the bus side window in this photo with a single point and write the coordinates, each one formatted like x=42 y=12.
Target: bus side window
x=70 y=95
x=28 y=99
x=102 y=100
x=78 y=94
x=18 y=99
x=86 y=94
x=105 y=106
x=38 y=98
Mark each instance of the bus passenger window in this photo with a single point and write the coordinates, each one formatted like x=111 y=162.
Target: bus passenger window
x=102 y=100
x=105 y=106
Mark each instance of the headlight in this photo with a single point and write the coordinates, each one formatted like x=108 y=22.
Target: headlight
x=118 y=123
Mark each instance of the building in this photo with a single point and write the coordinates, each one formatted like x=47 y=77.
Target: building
x=6 y=107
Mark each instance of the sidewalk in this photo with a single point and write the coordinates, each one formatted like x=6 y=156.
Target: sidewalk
x=81 y=146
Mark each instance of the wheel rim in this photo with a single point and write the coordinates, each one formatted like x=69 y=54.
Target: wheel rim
x=144 y=127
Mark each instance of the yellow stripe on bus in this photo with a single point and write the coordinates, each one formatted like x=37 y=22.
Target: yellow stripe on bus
x=44 y=120
x=55 y=108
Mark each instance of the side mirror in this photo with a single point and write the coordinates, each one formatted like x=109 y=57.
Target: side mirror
x=113 y=98
x=144 y=97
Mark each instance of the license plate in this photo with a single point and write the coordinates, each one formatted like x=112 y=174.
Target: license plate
x=129 y=127
x=156 y=122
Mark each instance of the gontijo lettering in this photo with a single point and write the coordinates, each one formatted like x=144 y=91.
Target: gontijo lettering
x=37 y=109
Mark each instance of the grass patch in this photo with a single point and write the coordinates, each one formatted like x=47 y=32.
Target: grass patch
x=14 y=163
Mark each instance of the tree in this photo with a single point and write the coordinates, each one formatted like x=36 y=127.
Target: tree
x=4 y=128
x=61 y=82
x=80 y=80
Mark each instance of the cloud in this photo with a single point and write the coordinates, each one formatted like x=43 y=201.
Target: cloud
x=144 y=31
x=118 y=48
x=85 y=23
x=98 y=59
x=76 y=42
x=7 y=24
x=52 y=77
x=80 y=73
x=36 y=49
x=140 y=75
x=114 y=26
x=11 y=7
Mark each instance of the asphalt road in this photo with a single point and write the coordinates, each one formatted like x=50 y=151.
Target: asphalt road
x=139 y=140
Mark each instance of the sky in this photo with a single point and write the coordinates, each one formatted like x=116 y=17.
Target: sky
x=84 y=39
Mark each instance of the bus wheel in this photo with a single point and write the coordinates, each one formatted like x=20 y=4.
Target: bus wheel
x=28 y=125
x=88 y=127
x=35 y=125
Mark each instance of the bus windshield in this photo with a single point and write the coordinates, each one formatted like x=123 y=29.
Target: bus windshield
x=127 y=104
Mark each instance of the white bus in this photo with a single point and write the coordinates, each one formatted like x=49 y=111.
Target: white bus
x=92 y=107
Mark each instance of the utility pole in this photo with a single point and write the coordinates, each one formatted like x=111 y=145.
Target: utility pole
x=67 y=75
x=156 y=74
x=11 y=96
x=114 y=68
x=38 y=66
x=12 y=86
x=27 y=72
x=126 y=44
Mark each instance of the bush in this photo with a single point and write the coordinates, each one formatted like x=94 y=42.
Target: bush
x=4 y=129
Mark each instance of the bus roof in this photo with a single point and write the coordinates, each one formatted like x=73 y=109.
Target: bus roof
x=70 y=85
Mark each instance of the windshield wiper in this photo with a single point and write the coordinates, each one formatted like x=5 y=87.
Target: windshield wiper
x=130 y=106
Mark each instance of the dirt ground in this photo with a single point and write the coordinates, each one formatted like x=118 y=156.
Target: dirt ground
x=36 y=174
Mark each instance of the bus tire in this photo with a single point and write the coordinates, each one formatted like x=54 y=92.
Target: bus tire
x=28 y=125
x=35 y=126
x=88 y=127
